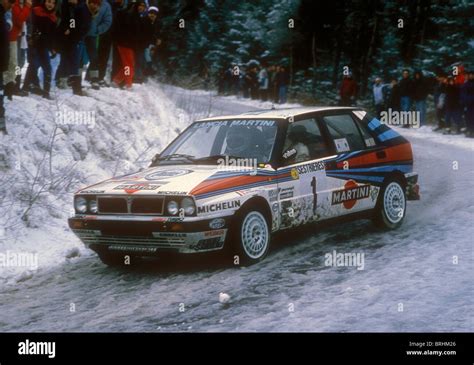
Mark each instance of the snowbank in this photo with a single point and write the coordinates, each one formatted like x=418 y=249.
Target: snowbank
x=54 y=147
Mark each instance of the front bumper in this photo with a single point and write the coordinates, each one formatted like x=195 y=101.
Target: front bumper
x=149 y=236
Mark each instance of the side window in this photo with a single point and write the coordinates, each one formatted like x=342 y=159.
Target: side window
x=303 y=142
x=344 y=132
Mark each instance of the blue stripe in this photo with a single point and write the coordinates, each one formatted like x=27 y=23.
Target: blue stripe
x=358 y=177
x=374 y=124
x=390 y=134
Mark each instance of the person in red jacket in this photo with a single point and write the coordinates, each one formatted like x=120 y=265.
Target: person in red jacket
x=348 y=91
x=20 y=12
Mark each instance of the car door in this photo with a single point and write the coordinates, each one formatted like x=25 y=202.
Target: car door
x=353 y=188
x=304 y=197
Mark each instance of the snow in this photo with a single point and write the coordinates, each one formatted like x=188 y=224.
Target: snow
x=125 y=131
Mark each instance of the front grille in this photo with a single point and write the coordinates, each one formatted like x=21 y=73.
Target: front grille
x=137 y=205
x=162 y=242
x=150 y=205
x=112 y=205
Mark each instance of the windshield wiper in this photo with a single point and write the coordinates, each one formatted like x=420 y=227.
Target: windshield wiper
x=214 y=158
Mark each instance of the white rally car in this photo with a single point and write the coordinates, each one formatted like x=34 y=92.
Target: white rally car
x=230 y=182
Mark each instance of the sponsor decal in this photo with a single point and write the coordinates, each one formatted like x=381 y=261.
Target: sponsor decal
x=132 y=248
x=342 y=145
x=219 y=206
x=311 y=167
x=273 y=195
x=369 y=142
x=172 y=192
x=214 y=233
x=294 y=174
x=275 y=207
x=169 y=234
x=217 y=223
x=373 y=193
x=92 y=192
x=158 y=175
x=287 y=193
x=350 y=194
x=133 y=188
x=238 y=122
x=289 y=153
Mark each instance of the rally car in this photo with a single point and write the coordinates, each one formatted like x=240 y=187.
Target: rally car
x=228 y=183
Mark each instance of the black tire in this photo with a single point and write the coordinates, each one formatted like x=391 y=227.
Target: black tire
x=257 y=224
x=390 y=209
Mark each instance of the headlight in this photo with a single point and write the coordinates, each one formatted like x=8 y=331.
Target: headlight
x=93 y=206
x=173 y=207
x=187 y=204
x=80 y=204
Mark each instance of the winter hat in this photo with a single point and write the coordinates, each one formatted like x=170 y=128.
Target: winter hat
x=153 y=9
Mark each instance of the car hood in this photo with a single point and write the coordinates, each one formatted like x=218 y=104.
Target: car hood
x=177 y=180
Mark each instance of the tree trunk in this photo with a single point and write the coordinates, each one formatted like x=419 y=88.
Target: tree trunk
x=313 y=53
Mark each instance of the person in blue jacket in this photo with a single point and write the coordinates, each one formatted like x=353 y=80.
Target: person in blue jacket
x=101 y=23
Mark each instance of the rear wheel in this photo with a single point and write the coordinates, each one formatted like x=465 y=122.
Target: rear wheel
x=250 y=236
x=391 y=205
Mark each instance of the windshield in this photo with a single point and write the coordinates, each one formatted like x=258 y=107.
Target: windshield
x=203 y=141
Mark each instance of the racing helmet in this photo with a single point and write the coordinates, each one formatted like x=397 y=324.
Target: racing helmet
x=238 y=140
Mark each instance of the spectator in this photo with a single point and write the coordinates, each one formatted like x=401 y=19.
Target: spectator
x=152 y=40
x=101 y=22
x=20 y=13
x=420 y=93
x=467 y=98
x=406 y=91
x=124 y=34
x=263 y=82
x=380 y=96
x=22 y=47
x=43 y=33
x=453 y=106
x=439 y=95
x=73 y=28
x=5 y=6
x=348 y=91
x=271 y=83
x=142 y=39
x=282 y=81
x=393 y=96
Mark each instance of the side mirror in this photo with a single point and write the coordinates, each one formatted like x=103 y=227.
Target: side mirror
x=155 y=158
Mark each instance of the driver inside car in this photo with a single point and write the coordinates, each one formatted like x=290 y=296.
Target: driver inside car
x=240 y=142
x=297 y=147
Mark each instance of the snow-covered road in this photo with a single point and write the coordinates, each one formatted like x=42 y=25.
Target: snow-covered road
x=418 y=278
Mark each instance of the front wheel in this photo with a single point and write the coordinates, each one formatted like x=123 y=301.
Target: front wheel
x=391 y=206
x=250 y=236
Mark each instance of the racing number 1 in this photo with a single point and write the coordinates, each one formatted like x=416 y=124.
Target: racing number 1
x=315 y=195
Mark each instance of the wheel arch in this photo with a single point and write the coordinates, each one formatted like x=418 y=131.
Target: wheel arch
x=396 y=175
x=259 y=202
